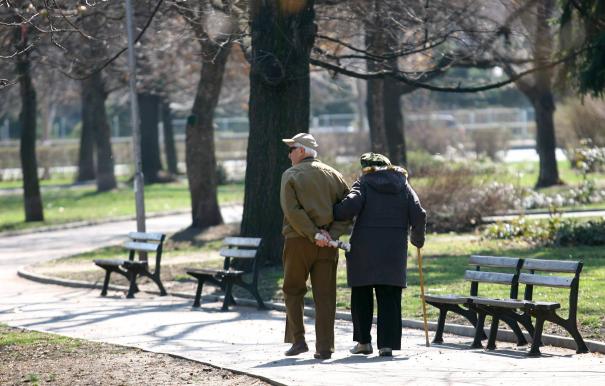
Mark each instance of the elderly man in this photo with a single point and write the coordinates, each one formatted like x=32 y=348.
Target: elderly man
x=309 y=189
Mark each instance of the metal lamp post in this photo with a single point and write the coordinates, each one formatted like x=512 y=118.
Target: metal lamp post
x=134 y=119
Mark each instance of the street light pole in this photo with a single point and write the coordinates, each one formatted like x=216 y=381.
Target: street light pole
x=134 y=119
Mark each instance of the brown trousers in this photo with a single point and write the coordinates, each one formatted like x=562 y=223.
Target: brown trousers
x=302 y=258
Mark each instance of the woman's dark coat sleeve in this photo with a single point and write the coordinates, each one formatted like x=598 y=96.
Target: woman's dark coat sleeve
x=351 y=205
x=417 y=218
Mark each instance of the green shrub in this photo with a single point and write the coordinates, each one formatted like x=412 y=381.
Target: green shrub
x=456 y=200
x=555 y=231
x=585 y=233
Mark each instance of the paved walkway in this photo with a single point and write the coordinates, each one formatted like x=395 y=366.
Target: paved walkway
x=248 y=340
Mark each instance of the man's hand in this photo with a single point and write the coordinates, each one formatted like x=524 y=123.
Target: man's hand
x=326 y=241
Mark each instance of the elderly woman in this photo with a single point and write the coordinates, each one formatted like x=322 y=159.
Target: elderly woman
x=386 y=208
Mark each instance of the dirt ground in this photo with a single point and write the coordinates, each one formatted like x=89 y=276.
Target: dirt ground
x=45 y=359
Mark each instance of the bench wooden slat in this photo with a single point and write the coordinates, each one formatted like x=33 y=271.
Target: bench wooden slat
x=143 y=247
x=252 y=242
x=546 y=281
x=238 y=253
x=543 y=305
x=448 y=299
x=489 y=277
x=550 y=265
x=146 y=236
x=507 y=303
x=494 y=261
x=108 y=262
x=213 y=272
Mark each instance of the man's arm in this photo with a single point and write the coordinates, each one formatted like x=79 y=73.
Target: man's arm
x=294 y=212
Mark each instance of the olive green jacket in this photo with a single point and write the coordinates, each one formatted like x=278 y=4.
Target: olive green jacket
x=308 y=192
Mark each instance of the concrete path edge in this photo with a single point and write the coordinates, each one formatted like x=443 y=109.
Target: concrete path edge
x=456 y=329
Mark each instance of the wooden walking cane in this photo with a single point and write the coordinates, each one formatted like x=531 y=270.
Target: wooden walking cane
x=426 y=326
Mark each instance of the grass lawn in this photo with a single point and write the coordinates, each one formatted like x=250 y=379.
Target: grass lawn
x=445 y=260
x=525 y=174
x=84 y=203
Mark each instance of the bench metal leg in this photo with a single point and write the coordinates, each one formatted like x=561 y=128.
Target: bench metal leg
x=105 y=283
x=133 y=284
x=228 y=297
x=158 y=282
x=514 y=326
x=198 y=293
x=440 y=325
x=479 y=330
x=537 y=338
x=493 y=333
x=573 y=331
x=572 y=328
x=259 y=300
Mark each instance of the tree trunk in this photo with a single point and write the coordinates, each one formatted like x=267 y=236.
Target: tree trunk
x=169 y=147
x=376 y=117
x=94 y=116
x=544 y=107
x=86 y=161
x=149 y=105
x=375 y=43
x=393 y=123
x=279 y=108
x=27 y=118
x=199 y=142
x=543 y=100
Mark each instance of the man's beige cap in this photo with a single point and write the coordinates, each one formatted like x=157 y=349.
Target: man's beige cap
x=304 y=139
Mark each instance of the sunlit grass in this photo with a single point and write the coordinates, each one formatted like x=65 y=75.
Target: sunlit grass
x=84 y=203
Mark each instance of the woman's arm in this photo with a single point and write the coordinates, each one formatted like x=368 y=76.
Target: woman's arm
x=417 y=218
x=351 y=205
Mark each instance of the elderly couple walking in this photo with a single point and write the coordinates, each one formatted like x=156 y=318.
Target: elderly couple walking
x=315 y=199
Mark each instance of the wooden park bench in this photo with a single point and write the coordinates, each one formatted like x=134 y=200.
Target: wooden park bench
x=139 y=245
x=465 y=305
x=241 y=253
x=533 y=275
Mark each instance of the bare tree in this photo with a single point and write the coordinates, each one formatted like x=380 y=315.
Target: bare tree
x=282 y=38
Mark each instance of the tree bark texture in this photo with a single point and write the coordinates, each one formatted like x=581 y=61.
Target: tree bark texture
x=542 y=98
x=393 y=123
x=169 y=147
x=199 y=142
x=94 y=117
x=544 y=107
x=86 y=160
x=149 y=105
x=376 y=43
x=27 y=118
x=279 y=108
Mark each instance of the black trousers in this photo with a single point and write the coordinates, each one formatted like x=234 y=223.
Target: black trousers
x=389 y=314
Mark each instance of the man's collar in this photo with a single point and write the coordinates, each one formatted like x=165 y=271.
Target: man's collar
x=308 y=159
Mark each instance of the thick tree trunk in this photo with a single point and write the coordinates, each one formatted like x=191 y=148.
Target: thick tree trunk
x=393 y=123
x=376 y=117
x=94 y=117
x=376 y=43
x=169 y=147
x=544 y=107
x=199 y=143
x=542 y=98
x=27 y=118
x=86 y=160
x=149 y=105
x=279 y=108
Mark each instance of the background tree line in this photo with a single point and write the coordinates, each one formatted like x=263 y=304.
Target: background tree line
x=547 y=49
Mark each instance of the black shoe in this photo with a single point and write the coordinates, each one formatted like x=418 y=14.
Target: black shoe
x=322 y=355
x=297 y=348
x=385 y=352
